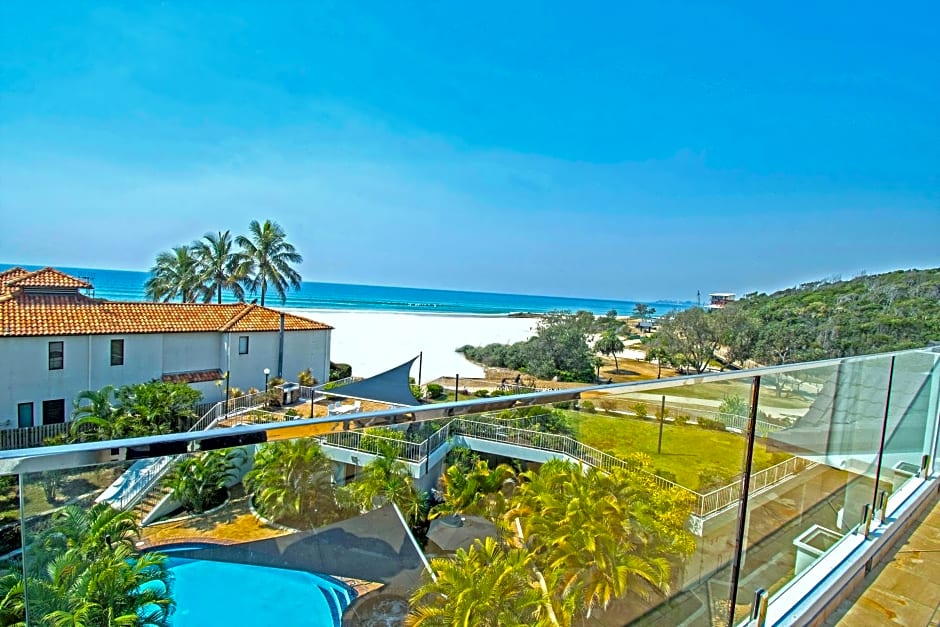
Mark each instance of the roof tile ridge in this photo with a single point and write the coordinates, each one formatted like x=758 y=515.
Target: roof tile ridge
x=290 y=316
x=246 y=309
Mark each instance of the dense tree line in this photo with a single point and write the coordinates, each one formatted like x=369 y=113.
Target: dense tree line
x=819 y=320
x=219 y=262
x=558 y=349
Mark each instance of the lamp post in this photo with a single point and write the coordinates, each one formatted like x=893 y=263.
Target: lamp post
x=267 y=373
x=227 y=381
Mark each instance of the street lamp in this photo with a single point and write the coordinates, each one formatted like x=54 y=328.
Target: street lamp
x=267 y=373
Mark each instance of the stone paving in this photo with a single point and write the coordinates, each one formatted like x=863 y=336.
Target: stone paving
x=904 y=590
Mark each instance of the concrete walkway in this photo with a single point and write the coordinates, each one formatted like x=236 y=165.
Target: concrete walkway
x=904 y=590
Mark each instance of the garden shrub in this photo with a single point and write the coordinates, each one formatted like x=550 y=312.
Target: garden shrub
x=435 y=390
x=588 y=407
x=681 y=419
x=711 y=425
x=339 y=371
x=640 y=410
x=481 y=393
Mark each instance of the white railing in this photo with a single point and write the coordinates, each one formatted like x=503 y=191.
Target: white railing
x=29 y=437
x=719 y=500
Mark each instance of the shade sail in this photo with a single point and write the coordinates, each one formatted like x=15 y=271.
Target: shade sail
x=458 y=532
x=392 y=387
x=376 y=546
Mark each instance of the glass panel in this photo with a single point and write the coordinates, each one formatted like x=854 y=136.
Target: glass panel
x=825 y=435
x=693 y=436
x=912 y=416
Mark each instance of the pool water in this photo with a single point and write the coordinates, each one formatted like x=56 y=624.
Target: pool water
x=222 y=593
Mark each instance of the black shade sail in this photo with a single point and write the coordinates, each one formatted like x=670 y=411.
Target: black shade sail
x=392 y=387
x=376 y=546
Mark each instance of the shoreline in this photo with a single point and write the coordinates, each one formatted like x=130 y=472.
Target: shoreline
x=374 y=341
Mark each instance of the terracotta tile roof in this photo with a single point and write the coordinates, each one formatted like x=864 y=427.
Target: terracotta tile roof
x=193 y=376
x=10 y=274
x=48 y=277
x=23 y=314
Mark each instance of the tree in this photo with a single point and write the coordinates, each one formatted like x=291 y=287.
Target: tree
x=690 y=337
x=607 y=533
x=85 y=570
x=198 y=481
x=478 y=490
x=219 y=265
x=292 y=480
x=487 y=585
x=268 y=258
x=738 y=332
x=174 y=274
x=610 y=344
x=385 y=479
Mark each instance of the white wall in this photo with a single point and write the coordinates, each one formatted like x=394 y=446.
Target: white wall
x=25 y=375
x=302 y=350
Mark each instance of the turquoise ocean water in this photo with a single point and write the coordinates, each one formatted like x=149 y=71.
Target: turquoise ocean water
x=127 y=285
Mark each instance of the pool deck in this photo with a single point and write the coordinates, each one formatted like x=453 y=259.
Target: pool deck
x=904 y=590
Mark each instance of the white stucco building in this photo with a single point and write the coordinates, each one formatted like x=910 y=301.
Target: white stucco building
x=56 y=341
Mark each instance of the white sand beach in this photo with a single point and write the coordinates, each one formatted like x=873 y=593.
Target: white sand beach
x=372 y=341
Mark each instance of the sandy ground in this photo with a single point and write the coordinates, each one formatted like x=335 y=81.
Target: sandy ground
x=372 y=342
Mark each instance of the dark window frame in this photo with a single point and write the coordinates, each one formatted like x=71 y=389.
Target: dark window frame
x=240 y=338
x=57 y=409
x=117 y=359
x=57 y=357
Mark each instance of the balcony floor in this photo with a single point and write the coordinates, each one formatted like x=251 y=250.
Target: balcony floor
x=904 y=590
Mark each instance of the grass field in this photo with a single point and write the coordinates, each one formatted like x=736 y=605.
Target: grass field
x=688 y=451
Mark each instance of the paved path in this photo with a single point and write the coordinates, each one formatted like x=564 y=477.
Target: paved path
x=904 y=590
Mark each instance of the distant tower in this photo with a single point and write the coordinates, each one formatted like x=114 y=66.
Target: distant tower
x=698 y=297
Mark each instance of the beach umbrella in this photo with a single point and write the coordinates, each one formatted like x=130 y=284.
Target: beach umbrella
x=458 y=532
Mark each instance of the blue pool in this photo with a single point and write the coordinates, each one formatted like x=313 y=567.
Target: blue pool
x=222 y=593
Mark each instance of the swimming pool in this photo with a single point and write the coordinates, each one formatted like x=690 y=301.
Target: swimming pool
x=222 y=593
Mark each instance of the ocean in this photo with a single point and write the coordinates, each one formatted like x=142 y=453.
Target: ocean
x=129 y=286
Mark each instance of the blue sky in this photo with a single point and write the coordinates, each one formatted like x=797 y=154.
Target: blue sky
x=581 y=149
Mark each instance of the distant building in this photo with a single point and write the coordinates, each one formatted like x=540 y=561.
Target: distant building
x=719 y=300
x=646 y=326
x=56 y=341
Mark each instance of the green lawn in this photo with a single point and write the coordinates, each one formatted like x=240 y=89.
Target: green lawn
x=719 y=390
x=687 y=450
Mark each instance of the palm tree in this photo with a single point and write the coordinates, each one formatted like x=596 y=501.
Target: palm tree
x=268 y=258
x=174 y=274
x=85 y=570
x=487 y=585
x=220 y=266
x=198 y=482
x=387 y=478
x=293 y=480
x=610 y=344
x=478 y=491
x=95 y=416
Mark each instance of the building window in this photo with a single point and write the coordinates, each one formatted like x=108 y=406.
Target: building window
x=24 y=415
x=53 y=412
x=117 y=352
x=242 y=344
x=56 y=355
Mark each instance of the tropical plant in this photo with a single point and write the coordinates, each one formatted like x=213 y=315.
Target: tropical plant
x=292 y=481
x=487 y=585
x=267 y=259
x=479 y=490
x=386 y=479
x=175 y=274
x=608 y=533
x=95 y=416
x=610 y=344
x=306 y=378
x=198 y=481
x=84 y=570
x=220 y=267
